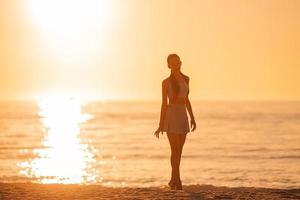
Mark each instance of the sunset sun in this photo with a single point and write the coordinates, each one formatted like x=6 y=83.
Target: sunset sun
x=70 y=28
x=66 y=16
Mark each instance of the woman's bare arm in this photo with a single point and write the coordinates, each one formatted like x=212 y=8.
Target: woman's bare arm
x=163 y=109
x=164 y=104
x=190 y=110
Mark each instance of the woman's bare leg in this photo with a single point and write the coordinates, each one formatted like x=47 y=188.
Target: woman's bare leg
x=180 y=141
x=173 y=157
x=176 y=142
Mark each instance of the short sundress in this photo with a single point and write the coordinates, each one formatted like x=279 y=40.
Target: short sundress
x=176 y=118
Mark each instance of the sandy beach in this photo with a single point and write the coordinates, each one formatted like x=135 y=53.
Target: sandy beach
x=39 y=191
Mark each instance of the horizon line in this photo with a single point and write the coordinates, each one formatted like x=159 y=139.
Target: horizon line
x=159 y=99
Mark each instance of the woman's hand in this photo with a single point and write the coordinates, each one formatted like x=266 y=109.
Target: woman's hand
x=158 y=131
x=193 y=124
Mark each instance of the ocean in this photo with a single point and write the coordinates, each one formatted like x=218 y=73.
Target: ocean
x=236 y=143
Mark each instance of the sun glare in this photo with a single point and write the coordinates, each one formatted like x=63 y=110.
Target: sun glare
x=63 y=158
x=70 y=16
x=70 y=28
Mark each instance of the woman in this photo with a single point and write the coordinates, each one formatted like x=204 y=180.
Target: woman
x=173 y=116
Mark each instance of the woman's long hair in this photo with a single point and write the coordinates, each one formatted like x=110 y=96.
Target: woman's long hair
x=174 y=83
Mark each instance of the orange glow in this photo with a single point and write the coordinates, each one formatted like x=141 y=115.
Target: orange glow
x=117 y=49
x=63 y=158
x=69 y=28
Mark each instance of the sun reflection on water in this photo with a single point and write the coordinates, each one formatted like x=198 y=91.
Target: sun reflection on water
x=64 y=158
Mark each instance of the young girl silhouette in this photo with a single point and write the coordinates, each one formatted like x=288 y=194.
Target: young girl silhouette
x=173 y=116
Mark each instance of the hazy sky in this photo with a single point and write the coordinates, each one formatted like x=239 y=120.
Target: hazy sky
x=117 y=49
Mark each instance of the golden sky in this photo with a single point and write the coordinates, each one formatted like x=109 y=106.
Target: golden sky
x=117 y=48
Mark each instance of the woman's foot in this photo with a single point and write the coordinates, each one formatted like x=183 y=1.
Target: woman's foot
x=178 y=185
x=172 y=185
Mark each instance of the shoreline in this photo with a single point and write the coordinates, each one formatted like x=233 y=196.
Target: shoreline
x=76 y=191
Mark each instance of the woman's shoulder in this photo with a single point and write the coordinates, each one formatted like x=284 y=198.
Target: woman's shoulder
x=164 y=81
x=186 y=77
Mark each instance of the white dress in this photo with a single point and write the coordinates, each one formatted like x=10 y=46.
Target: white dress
x=176 y=118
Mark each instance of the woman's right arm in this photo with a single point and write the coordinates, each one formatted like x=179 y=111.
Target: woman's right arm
x=163 y=109
x=164 y=104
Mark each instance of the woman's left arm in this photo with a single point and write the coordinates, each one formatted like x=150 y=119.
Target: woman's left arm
x=190 y=110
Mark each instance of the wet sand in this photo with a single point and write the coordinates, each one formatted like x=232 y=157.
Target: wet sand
x=39 y=191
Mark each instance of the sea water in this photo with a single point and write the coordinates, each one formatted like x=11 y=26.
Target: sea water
x=236 y=143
